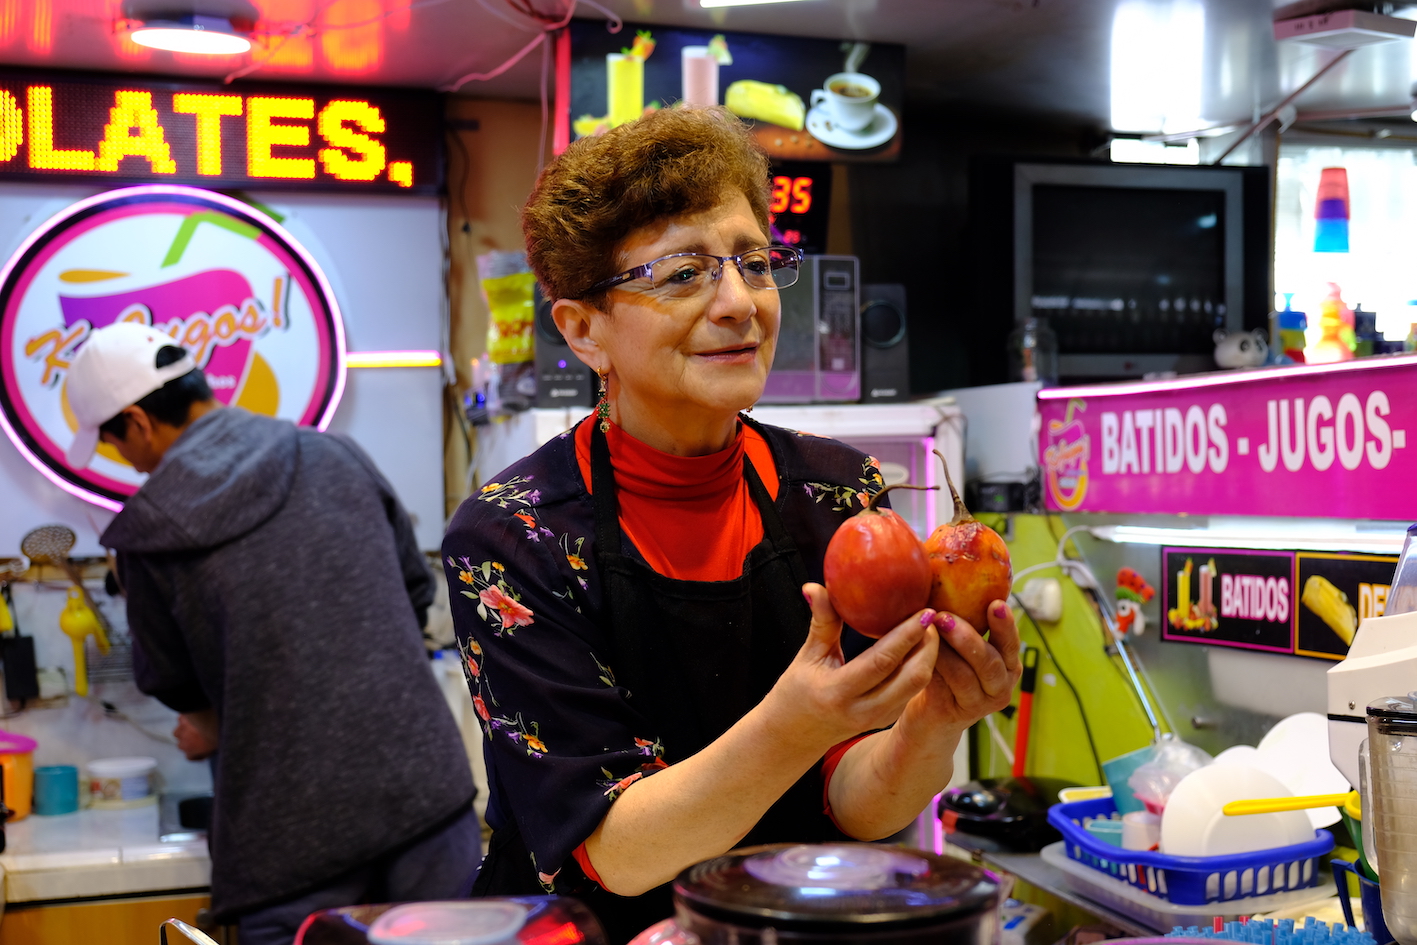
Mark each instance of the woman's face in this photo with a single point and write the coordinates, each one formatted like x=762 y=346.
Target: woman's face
x=708 y=354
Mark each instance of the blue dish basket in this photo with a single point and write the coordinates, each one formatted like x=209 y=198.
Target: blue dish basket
x=1189 y=880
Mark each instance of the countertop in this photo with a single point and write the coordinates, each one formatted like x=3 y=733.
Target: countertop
x=97 y=853
x=1031 y=868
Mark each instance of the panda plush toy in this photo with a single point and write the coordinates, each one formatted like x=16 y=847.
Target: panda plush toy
x=1240 y=349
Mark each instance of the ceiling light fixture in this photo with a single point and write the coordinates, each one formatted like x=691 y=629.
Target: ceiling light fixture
x=711 y=4
x=1296 y=535
x=194 y=33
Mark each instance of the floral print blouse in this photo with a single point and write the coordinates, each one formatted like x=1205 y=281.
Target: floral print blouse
x=560 y=740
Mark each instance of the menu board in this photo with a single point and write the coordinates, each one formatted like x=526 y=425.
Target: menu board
x=1336 y=593
x=1229 y=598
x=806 y=99
x=1308 y=604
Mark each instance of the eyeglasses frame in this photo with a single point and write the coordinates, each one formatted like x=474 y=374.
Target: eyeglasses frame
x=646 y=270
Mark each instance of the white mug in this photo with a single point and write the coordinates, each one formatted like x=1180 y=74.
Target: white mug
x=851 y=99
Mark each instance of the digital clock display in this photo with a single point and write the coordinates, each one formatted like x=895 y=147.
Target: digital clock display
x=218 y=136
x=799 y=201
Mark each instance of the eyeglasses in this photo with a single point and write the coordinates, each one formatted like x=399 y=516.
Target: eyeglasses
x=686 y=275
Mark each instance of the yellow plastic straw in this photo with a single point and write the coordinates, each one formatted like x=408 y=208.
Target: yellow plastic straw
x=1273 y=805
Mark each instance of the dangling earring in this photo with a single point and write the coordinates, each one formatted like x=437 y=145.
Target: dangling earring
x=602 y=409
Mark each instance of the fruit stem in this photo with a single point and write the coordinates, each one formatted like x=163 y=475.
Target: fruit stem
x=871 y=505
x=961 y=513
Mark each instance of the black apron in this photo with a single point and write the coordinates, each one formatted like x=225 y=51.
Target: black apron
x=695 y=656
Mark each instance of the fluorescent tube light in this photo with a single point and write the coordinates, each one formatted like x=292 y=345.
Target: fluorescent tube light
x=1157 y=65
x=386 y=359
x=711 y=4
x=1271 y=538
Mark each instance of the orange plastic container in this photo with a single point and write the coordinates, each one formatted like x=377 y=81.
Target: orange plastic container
x=17 y=773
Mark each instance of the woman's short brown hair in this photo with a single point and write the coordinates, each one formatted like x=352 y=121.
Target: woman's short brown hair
x=602 y=188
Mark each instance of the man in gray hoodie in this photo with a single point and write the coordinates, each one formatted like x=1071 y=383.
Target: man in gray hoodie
x=275 y=595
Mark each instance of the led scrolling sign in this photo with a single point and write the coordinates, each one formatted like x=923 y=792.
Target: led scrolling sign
x=268 y=136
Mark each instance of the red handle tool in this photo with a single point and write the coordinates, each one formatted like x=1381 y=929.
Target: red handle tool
x=1025 y=708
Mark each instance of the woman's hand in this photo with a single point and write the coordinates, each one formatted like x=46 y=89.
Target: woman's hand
x=972 y=676
x=826 y=698
x=885 y=780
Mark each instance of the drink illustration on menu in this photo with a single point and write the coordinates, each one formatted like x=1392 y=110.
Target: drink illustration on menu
x=805 y=99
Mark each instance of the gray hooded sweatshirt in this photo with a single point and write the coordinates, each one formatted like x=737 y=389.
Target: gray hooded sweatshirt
x=273 y=576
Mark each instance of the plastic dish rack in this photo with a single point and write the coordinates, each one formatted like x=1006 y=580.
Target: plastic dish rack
x=1189 y=880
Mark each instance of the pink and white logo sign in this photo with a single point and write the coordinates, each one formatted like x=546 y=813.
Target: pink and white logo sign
x=226 y=281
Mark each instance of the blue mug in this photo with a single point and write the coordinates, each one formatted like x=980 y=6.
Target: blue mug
x=56 y=790
x=1371 y=896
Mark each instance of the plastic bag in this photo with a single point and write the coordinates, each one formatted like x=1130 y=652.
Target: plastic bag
x=508 y=286
x=1171 y=760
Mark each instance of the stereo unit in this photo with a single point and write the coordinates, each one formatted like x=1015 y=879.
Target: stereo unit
x=819 y=346
x=562 y=379
x=885 y=352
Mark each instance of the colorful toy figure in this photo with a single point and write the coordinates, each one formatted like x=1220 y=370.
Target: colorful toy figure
x=1336 y=321
x=1132 y=592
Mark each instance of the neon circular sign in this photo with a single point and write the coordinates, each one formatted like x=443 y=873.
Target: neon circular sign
x=224 y=279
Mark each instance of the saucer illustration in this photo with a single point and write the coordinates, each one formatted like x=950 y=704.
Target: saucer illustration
x=882 y=128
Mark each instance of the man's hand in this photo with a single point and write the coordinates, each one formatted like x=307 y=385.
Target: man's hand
x=196 y=734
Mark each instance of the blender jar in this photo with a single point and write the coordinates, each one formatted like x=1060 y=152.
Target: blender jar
x=1392 y=774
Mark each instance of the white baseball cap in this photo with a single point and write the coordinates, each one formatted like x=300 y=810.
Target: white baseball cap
x=115 y=368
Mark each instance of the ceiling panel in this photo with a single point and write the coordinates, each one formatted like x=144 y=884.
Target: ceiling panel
x=1046 y=57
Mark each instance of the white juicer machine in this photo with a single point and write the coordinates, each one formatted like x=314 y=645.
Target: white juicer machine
x=1382 y=661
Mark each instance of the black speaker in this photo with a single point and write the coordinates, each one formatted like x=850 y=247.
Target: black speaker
x=885 y=354
x=562 y=379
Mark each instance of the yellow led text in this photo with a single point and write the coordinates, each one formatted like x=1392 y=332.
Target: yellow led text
x=209 y=110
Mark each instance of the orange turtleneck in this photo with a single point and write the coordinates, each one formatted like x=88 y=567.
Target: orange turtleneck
x=690 y=516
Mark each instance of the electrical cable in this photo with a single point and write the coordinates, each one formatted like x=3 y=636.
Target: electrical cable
x=546 y=29
x=548 y=26
x=1062 y=674
x=308 y=29
x=111 y=711
x=484 y=76
x=1127 y=665
x=418 y=5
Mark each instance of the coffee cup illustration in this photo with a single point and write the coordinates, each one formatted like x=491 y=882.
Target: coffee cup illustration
x=850 y=98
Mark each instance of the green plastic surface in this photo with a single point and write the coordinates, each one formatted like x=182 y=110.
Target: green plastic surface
x=1058 y=744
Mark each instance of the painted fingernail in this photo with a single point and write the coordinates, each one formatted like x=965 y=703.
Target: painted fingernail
x=807 y=597
x=944 y=621
x=927 y=618
x=1001 y=609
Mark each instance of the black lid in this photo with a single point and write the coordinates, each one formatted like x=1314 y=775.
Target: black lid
x=854 y=883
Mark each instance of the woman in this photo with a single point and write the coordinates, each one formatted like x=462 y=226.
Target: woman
x=658 y=675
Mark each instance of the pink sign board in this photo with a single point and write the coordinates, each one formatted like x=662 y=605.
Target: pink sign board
x=1306 y=440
